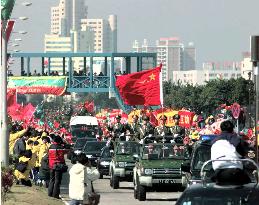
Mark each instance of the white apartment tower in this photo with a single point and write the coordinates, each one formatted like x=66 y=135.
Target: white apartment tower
x=170 y=52
x=67 y=15
x=105 y=33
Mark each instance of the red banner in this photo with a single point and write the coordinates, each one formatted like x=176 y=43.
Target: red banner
x=186 y=118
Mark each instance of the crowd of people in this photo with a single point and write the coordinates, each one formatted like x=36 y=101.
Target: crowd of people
x=39 y=153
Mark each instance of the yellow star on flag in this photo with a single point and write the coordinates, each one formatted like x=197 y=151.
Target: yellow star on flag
x=152 y=77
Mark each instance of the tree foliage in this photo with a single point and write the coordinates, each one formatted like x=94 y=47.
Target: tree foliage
x=208 y=97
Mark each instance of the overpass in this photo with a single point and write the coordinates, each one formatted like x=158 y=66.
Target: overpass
x=87 y=82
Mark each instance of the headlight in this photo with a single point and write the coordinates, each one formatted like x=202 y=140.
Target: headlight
x=105 y=163
x=120 y=164
x=77 y=152
x=148 y=171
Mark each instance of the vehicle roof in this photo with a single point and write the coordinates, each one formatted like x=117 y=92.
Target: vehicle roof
x=213 y=188
x=83 y=120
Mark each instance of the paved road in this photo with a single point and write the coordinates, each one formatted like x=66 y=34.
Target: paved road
x=122 y=196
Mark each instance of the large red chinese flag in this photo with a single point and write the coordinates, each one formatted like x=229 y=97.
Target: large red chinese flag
x=141 y=88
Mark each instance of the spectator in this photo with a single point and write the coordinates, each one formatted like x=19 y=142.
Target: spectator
x=23 y=168
x=35 y=73
x=226 y=147
x=101 y=74
x=56 y=158
x=77 y=183
x=44 y=171
x=20 y=145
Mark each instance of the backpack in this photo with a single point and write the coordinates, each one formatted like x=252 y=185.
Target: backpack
x=21 y=166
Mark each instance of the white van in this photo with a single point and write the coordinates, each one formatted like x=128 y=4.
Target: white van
x=84 y=126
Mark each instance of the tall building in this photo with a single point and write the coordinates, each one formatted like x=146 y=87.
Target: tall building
x=72 y=31
x=247 y=66
x=210 y=71
x=171 y=53
x=67 y=15
x=105 y=33
x=189 y=62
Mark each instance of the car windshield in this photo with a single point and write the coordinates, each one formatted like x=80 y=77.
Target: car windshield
x=163 y=151
x=202 y=155
x=106 y=153
x=130 y=148
x=94 y=146
x=80 y=143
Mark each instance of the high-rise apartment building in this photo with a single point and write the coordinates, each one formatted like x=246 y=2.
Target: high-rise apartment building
x=171 y=53
x=67 y=16
x=72 y=31
x=104 y=31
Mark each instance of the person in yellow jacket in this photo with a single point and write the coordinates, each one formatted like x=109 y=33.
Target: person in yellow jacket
x=13 y=137
x=44 y=147
x=22 y=170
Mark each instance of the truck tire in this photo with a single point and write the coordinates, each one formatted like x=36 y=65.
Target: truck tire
x=141 y=192
x=111 y=179
x=115 y=182
x=135 y=190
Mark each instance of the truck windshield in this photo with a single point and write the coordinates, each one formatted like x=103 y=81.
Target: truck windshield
x=80 y=143
x=163 y=151
x=130 y=148
x=94 y=146
x=82 y=130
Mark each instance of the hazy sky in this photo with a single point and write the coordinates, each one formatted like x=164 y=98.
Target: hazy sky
x=220 y=29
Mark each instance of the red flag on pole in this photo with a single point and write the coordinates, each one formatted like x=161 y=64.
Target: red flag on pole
x=141 y=88
x=11 y=97
x=89 y=106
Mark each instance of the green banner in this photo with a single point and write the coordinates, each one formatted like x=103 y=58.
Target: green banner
x=55 y=85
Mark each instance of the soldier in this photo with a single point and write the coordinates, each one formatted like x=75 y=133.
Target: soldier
x=177 y=129
x=146 y=128
x=117 y=128
x=162 y=129
x=134 y=128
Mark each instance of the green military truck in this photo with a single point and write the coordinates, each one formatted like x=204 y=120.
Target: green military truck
x=159 y=165
x=123 y=162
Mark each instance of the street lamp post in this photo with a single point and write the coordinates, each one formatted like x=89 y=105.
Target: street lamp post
x=4 y=127
x=249 y=99
x=6 y=11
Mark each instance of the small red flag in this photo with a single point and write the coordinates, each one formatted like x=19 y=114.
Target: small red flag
x=89 y=106
x=11 y=96
x=141 y=88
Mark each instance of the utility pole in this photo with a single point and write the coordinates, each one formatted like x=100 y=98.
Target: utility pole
x=255 y=59
x=6 y=10
x=4 y=126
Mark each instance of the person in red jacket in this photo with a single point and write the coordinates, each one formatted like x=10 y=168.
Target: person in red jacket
x=56 y=157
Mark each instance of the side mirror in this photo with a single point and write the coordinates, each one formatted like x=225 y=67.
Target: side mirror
x=112 y=152
x=136 y=158
x=186 y=167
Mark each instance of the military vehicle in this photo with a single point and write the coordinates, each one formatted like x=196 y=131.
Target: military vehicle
x=159 y=164
x=123 y=162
